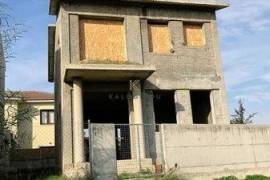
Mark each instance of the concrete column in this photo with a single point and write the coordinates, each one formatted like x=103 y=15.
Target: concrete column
x=183 y=107
x=78 y=135
x=148 y=107
x=132 y=129
x=217 y=112
x=149 y=118
x=138 y=116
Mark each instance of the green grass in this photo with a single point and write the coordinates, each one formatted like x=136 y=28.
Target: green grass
x=257 y=177
x=148 y=174
x=250 y=177
x=143 y=174
x=227 y=178
x=53 y=178
x=172 y=177
x=56 y=177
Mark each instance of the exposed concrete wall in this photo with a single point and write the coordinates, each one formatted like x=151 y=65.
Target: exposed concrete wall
x=184 y=69
x=65 y=96
x=57 y=93
x=215 y=148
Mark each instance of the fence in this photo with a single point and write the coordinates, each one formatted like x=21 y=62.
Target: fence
x=125 y=150
x=29 y=162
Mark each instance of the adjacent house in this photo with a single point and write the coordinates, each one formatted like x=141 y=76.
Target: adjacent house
x=35 y=111
x=133 y=62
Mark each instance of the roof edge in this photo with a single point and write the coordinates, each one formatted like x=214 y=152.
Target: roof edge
x=215 y=4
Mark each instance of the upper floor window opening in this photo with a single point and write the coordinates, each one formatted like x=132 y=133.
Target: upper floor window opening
x=159 y=38
x=102 y=40
x=194 y=35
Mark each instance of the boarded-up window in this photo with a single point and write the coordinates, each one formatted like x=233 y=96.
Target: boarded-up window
x=102 y=40
x=194 y=35
x=159 y=38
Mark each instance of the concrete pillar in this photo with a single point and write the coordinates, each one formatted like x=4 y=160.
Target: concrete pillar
x=78 y=134
x=150 y=129
x=148 y=107
x=138 y=116
x=217 y=109
x=183 y=107
x=132 y=128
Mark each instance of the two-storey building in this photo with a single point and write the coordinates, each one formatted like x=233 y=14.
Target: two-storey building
x=133 y=62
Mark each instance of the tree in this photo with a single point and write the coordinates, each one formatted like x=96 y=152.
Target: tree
x=10 y=31
x=240 y=116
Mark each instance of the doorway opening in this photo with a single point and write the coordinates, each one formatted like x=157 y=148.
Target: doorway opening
x=110 y=108
x=164 y=107
x=201 y=107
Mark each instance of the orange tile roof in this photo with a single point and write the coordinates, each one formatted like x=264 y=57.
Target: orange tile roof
x=31 y=95
x=37 y=95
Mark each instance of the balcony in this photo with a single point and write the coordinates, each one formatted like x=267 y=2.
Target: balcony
x=108 y=72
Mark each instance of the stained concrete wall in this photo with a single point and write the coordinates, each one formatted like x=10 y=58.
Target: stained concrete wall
x=185 y=68
x=213 y=148
x=103 y=151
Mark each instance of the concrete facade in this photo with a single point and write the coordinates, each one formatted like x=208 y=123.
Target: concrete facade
x=181 y=71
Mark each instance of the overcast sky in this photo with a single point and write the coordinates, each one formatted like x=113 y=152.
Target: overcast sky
x=244 y=30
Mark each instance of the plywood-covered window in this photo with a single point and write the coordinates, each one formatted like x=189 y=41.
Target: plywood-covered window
x=194 y=35
x=102 y=40
x=159 y=38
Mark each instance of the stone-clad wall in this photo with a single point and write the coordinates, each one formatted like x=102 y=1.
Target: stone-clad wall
x=215 y=148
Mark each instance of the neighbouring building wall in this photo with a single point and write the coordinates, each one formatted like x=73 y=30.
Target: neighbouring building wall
x=10 y=110
x=31 y=134
x=42 y=134
x=215 y=148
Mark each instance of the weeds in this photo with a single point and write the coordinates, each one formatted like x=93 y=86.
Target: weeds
x=257 y=177
x=250 y=177
x=228 y=178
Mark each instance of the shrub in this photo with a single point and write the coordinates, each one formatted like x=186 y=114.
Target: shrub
x=257 y=177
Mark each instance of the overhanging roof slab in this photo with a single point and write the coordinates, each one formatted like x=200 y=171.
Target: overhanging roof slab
x=107 y=72
x=215 y=4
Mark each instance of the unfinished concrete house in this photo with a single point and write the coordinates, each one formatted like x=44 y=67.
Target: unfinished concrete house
x=138 y=62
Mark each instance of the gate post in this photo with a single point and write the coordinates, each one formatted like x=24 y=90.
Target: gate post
x=103 y=152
